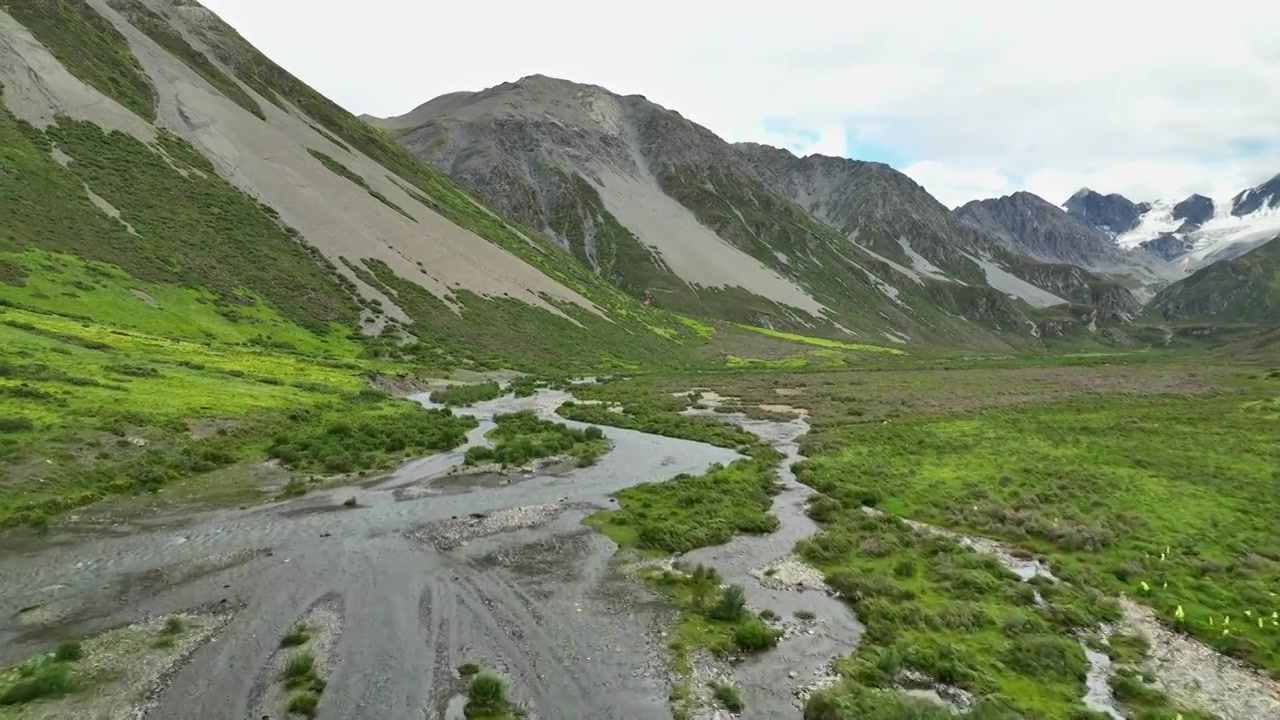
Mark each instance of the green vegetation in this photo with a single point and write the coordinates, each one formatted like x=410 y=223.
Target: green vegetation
x=487 y=698
x=300 y=672
x=1245 y=289
x=90 y=47
x=161 y=31
x=711 y=617
x=299 y=634
x=1166 y=499
x=934 y=606
x=823 y=342
x=93 y=676
x=44 y=677
x=173 y=627
x=366 y=432
x=727 y=695
x=190 y=228
x=467 y=394
x=341 y=170
x=850 y=701
x=118 y=411
x=659 y=422
x=692 y=511
x=503 y=332
x=522 y=436
x=304 y=703
x=468 y=669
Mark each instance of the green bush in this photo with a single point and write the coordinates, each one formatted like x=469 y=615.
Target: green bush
x=38 y=680
x=754 y=635
x=730 y=605
x=467 y=394
x=299 y=634
x=68 y=651
x=304 y=704
x=727 y=695
x=486 y=695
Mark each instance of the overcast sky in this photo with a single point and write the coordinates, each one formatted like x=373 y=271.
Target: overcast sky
x=972 y=99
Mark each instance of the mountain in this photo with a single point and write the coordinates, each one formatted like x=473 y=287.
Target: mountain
x=1243 y=289
x=664 y=208
x=148 y=135
x=1262 y=197
x=1193 y=232
x=1112 y=213
x=1030 y=225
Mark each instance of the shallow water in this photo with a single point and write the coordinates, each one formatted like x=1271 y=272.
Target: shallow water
x=764 y=680
x=535 y=601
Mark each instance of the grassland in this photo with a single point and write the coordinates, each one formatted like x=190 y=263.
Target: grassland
x=1145 y=474
x=1168 y=499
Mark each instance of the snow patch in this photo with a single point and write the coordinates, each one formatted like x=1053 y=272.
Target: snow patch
x=1014 y=286
x=1217 y=239
x=897 y=337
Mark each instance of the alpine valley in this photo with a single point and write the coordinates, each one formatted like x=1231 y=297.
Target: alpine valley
x=541 y=401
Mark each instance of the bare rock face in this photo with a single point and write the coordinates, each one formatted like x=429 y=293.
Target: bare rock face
x=1028 y=224
x=1112 y=214
x=1264 y=196
x=1193 y=212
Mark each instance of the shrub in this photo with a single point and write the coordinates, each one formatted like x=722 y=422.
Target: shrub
x=468 y=669
x=753 y=635
x=304 y=704
x=68 y=651
x=299 y=634
x=727 y=695
x=730 y=605
x=486 y=695
x=42 y=680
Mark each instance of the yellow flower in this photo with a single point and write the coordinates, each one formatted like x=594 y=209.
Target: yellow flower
x=1248 y=613
x=1145 y=586
x=1178 y=613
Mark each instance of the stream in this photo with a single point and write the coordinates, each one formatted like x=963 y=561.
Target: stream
x=433 y=571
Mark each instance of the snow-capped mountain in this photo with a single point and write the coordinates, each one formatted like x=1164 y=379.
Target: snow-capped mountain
x=1193 y=232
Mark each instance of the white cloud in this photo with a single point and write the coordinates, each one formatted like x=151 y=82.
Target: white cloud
x=955 y=186
x=1123 y=95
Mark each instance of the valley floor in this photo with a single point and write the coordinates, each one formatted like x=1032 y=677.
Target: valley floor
x=1081 y=537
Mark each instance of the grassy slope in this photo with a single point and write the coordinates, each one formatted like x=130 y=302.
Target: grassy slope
x=761 y=223
x=1245 y=289
x=161 y=345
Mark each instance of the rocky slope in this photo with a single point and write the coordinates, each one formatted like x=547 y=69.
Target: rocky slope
x=362 y=233
x=1030 y=225
x=1243 y=289
x=666 y=209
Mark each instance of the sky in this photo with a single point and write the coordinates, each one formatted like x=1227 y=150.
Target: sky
x=972 y=100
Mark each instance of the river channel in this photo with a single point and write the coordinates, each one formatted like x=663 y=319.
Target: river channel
x=428 y=571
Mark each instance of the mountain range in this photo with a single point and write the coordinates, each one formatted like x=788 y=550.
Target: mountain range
x=542 y=212
x=1192 y=232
